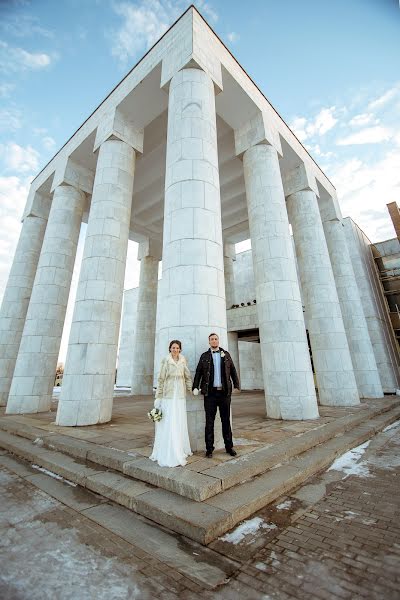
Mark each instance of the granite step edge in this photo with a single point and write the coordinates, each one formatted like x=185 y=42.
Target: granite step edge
x=183 y=516
x=118 y=488
x=297 y=470
x=188 y=483
x=205 y=521
x=261 y=460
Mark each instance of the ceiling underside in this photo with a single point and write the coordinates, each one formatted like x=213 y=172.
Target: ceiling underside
x=147 y=106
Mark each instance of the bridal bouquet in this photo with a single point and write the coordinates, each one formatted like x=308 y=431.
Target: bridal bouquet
x=155 y=414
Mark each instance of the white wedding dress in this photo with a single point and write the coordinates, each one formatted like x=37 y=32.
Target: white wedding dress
x=171 y=442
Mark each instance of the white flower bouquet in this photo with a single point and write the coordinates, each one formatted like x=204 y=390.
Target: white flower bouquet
x=155 y=414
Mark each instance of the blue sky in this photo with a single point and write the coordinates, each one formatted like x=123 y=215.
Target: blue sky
x=330 y=68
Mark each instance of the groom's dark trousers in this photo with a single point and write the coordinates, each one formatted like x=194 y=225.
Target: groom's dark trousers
x=216 y=399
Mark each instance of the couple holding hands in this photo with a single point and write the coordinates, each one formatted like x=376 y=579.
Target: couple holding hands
x=214 y=376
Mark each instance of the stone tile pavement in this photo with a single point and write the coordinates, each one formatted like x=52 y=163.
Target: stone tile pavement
x=130 y=429
x=335 y=537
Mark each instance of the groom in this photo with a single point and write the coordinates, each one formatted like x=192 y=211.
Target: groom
x=214 y=373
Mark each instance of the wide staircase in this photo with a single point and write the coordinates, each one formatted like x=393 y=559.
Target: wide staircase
x=206 y=503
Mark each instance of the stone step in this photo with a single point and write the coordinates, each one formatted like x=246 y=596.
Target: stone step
x=186 y=482
x=202 y=521
x=202 y=565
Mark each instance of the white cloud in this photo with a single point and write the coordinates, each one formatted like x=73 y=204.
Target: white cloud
x=19 y=159
x=145 y=21
x=364 y=189
x=10 y=119
x=384 y=98
x=363 y=119
x=48 y=142
x=23 y=25
x=13 y=194
x=364 y=167
x=6 y=89
x=321 y=124
x=370 y=135
x=13 y=59
x=207 y=10
x=233 y=37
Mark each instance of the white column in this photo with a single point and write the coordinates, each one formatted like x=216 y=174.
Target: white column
x=288 y=378
x=192 y=291
x=385 y=348
x=88 y=383
x=362 y=353
x=229 y=257
x=330 y=350
x=32 y=385
x=16 y=298
x=145 y=329
x=233 y=341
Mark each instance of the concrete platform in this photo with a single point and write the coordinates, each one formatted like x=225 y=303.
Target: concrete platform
x=207 y=497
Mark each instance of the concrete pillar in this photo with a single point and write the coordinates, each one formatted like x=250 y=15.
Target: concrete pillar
x=362 y=353
x=229 y=257
x=233 y=341
x=288 y=378
x=88 y=383
x=16 y=298
x=384 y=345
x=330 y=350
x=145 y=329
x=32 y=385
x=192 y=303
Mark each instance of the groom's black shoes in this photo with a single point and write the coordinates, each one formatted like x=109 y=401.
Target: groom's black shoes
x=232 y=452
x=209 y=454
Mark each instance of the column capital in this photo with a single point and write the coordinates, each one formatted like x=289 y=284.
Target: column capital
x=299 y=179
x=329 y=208
x=258 y=130
x=150 y=247
x=37 y=205
x=172 y=64
x=229 y=250
x=114 y=125
x=71 y=173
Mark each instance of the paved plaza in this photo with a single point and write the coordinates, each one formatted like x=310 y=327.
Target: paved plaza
x=335 y=537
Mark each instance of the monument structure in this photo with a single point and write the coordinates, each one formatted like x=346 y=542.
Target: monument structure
x=187 y=150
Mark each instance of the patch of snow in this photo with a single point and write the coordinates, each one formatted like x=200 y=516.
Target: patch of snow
x=245 y=442
x=54 y=475
x=261 y=566
x=38 y=442
x=350 y=514
x=392 y=426
x=246 y=528
x=64 y=565
x=348 y=462
x=274 y=558
x=285 y=505
x=368 y=521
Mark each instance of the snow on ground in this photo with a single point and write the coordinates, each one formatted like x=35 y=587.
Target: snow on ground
x=52 y=561
x=284 y=505
x=69 y=568
x=349 y=462
x=392 y=426
x=54 y=475
x=249 y=527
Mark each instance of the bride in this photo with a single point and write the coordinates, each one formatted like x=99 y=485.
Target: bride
x=171 y=443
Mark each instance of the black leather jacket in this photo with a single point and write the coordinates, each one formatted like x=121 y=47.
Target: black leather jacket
x=204 y=376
